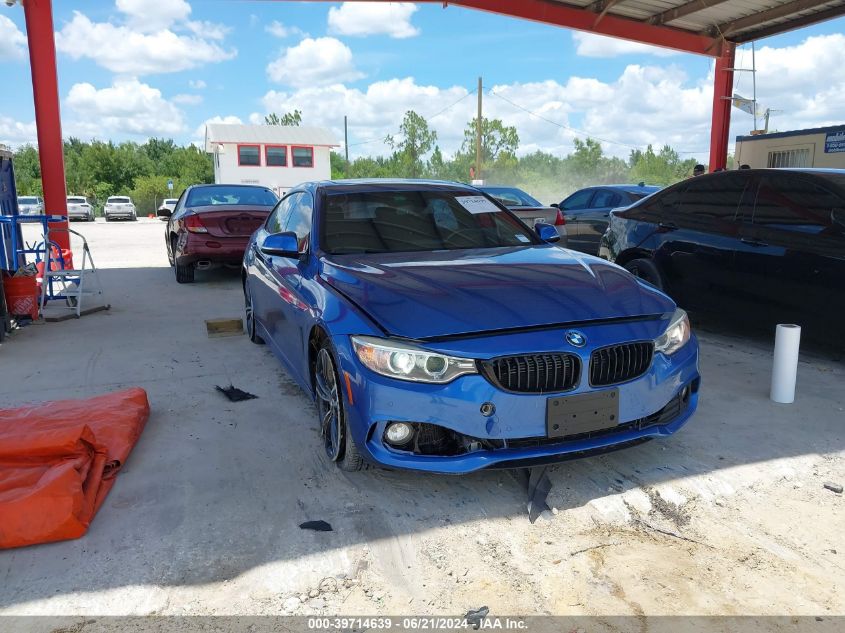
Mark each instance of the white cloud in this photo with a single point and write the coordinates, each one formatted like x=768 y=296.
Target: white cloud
x=127 y=107
x=126 y=50
x=150 y=15
x=320 y=61
x=593 y=45
x=199 y=132
x=12 y=40
x=209 y=30
x=196 y=84
x=373 y=18
x=186 y=99
x=277 y=29
x=14 y=133
x=644 y=104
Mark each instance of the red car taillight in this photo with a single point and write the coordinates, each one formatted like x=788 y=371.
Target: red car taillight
x=194 y=224
x=560 y=220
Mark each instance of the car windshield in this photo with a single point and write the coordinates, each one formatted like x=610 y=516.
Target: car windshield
x=27 y=200
x=230 y=195
x=511 y=196
x=119 y=200
x=76 y=199
x=422 y=220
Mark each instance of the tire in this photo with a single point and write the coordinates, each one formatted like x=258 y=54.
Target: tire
x=249 y=311
x=331 y=415
x=646 y=270
x=108 y=219
x=184 y=273
x=134 y=218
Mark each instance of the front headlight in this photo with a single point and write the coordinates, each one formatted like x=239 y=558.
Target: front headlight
x=675 y=336
x=407 y=362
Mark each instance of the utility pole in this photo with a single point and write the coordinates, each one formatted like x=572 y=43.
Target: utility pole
x=346 y=140
x=478 y=135
x=754 y=80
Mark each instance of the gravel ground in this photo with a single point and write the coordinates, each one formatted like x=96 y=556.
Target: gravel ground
x=728 y=517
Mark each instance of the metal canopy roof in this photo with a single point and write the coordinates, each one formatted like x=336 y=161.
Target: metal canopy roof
x=696 y=26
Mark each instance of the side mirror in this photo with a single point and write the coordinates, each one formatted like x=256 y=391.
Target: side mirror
x=547 y=232
x=164 y=213
x=281 y=244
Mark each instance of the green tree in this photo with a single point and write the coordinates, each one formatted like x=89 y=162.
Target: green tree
x=289 y=118
x=659 y=168
x=499 y=143
x=338 y=164
x=416 y=141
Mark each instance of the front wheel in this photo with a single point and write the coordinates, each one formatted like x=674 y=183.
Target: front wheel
x=646 y=270
x=249 y=310
x=338 y=442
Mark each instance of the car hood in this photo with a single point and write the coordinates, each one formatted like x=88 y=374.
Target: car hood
x=431 y=295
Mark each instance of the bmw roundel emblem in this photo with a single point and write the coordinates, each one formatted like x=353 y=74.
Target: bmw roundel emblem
x=575 y=338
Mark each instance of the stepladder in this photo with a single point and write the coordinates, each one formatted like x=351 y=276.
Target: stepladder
x=68 y=292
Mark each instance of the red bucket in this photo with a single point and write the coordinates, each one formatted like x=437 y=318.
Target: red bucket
x=21 y=296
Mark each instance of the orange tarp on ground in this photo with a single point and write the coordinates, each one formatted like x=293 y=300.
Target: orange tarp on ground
x=58 y=461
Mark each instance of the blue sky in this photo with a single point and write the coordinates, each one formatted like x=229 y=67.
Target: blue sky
x=136 y=68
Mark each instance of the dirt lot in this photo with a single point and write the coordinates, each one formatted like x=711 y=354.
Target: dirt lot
x=728 y=517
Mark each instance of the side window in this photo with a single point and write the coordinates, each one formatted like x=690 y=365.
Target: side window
x=605 y=198
x=788 y=203
x=280 y=215
x=299 y=220
x=578 y=200
x=660 y=207
x=712 y=203
x=180 y=203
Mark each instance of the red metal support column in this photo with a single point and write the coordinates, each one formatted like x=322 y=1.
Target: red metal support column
x=723 y=85
x=45 y=89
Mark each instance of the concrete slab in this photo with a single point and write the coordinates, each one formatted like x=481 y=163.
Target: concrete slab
x=728 y=516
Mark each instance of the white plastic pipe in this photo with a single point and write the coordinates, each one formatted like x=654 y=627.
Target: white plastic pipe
x=785 y=367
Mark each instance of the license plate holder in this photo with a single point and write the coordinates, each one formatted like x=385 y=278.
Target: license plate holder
x=582 y=413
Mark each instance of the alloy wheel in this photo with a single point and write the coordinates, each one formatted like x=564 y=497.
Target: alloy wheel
x=328 y=405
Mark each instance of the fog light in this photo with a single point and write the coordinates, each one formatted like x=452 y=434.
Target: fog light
x=398 y=433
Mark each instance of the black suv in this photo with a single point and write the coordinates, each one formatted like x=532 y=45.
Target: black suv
x=773 y=240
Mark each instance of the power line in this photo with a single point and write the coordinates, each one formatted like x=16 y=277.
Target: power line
x=572 y=129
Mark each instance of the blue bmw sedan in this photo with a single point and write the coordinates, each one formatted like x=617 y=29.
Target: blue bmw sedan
x=437 y=332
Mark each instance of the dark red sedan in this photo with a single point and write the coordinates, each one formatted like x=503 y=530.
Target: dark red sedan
x=211 y=225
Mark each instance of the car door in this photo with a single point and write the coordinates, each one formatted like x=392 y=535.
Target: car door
x=794 y=255
x=573 y=207
x=290 y=313
x=264 y=291
x=700 y=235
x=593 y=221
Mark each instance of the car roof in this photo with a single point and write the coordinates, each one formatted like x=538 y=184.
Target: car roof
x=376 y=184
x=635 y=188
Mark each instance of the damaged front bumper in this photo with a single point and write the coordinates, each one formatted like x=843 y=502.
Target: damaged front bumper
x=454 y=432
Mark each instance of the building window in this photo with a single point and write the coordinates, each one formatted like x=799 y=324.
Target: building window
x=790 y=158
x=249 y=155
x=276 y=155
x=303 y=156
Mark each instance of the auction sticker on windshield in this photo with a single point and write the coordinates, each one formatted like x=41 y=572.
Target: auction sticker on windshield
x=477 y=204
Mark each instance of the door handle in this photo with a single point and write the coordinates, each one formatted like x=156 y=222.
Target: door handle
x=668 y=226
x=752 y=242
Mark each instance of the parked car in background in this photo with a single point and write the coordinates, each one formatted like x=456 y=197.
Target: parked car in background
x=211 y=225
x=78 y=208
x=30 y=205
x=587 y=212
x=119 y=207
x=528 y=209
x=437 y=333
x=769 y=240
x=167 y=204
